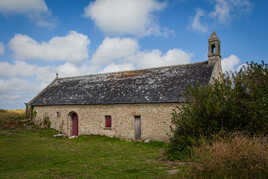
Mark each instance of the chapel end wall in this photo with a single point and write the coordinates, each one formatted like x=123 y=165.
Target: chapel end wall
x=155 y=119
x=216 y=73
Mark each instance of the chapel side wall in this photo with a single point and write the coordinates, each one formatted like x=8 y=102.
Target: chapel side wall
x=155 y=119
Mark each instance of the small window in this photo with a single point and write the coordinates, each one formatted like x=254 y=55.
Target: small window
x=108 y=121
x=58 y=114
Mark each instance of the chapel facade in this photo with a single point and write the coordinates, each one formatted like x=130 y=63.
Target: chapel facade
x=134 y=105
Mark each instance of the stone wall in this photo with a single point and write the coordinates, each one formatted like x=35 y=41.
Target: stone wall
x=217 y=71
x=155 y=119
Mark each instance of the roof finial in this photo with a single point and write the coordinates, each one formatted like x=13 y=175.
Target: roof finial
x=213 y=36
x=57 y=75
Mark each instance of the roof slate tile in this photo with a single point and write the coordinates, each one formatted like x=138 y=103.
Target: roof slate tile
x=155 y=85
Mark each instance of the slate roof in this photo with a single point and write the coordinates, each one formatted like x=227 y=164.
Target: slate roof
x=155 y=85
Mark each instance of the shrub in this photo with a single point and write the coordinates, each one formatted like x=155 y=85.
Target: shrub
x=33 y=113
x=236 y=102
x=46 y=122
x=233 y=156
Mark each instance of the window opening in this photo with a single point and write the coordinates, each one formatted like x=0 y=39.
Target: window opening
x=108 y=121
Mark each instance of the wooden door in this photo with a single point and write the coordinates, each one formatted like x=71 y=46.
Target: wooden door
x=75 y=125
x=137 y=127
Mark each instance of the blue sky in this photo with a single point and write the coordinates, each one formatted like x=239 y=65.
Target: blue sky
x=40 y=38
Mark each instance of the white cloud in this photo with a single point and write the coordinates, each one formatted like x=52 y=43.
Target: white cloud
x=44 y=74
x=72 y=47
x=23 y=6
x=17 y=69
x=69 y=69
x=155 y=58
x=123 y=54
x=114 y=54
x=49 y=23
x=14 y=92
x=224 y=9
x=2 y=48
x=196 y=24
x=114 y=68
x=23 y=69
x=9 y=98
x=230 y=63
x=36 y=10
x=119 y=17
x=114 y=48
x=15 y=84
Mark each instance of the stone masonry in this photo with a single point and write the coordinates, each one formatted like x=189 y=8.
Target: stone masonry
x=155 y=119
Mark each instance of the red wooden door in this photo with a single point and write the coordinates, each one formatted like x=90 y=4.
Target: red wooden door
x=75 y=125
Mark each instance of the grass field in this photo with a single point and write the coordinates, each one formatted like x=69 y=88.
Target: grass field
x=27 y=151
x=36 y=154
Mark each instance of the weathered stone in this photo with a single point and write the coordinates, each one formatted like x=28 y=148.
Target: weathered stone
x=147 y=140
x=58 y=135
x=155 y=119
x=173 y=172
x=72 y=137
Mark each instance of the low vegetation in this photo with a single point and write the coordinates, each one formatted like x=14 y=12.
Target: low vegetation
x=238 y=102
x=18 y=111
x=232 y=156
x=12 y=119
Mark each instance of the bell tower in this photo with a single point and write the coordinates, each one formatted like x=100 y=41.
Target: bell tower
x=214 y=48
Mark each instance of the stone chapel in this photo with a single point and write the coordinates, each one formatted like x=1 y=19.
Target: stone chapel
x=134 y=105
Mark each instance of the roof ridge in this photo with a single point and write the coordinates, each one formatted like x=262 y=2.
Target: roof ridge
x=138 y=70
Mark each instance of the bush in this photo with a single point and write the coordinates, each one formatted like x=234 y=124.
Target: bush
x=46 y=122
x=236 y=102
x=233 y=156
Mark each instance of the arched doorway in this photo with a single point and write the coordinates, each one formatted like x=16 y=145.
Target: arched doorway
x=74 y=123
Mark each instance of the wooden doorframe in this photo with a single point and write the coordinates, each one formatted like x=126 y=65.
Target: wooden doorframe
x=137 y=127
x=71 y=129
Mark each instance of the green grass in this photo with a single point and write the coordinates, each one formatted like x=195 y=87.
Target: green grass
x=36 y=154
